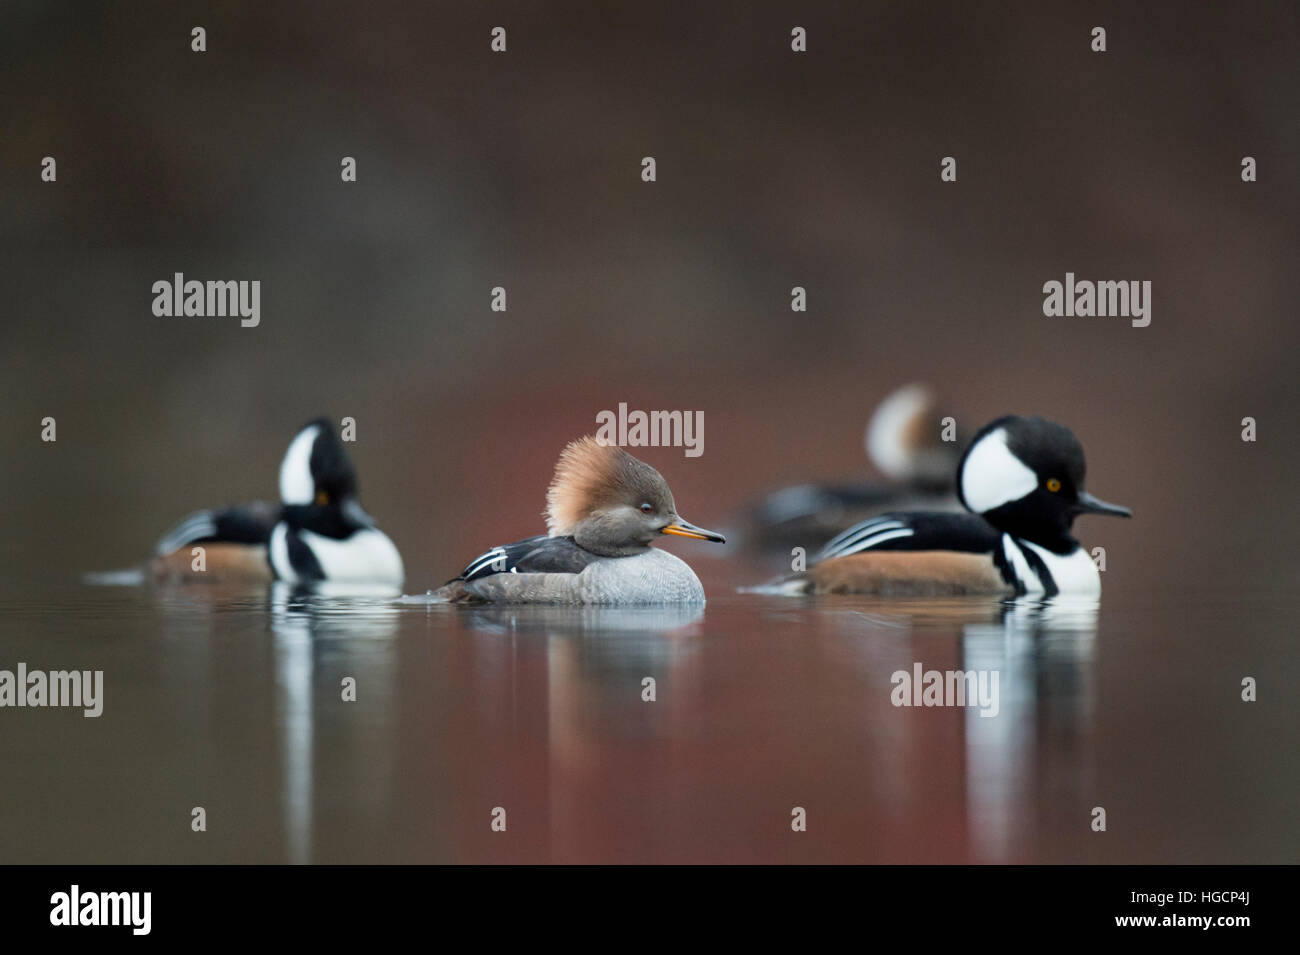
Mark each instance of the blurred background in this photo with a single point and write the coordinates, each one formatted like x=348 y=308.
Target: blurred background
x=775 y=169
x=522 y=170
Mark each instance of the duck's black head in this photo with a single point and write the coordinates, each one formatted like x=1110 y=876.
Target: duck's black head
x=318 y=484
x=1025 y=476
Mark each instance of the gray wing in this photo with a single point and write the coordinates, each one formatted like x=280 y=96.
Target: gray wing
x=535 y=555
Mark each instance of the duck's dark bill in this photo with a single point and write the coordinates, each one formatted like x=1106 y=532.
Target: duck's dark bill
x=353 y=511
x=1095 y=505
x=683 y=528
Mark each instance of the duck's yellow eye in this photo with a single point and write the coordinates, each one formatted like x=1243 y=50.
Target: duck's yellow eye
x=1053 y=485
x=322 y=498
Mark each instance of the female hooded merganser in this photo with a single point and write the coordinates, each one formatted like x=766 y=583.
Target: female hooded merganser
x=318 y=533
x=1022 y=479
x=603 y=509
x=902 y=440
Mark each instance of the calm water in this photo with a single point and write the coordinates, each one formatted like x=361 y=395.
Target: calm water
x=231 y=700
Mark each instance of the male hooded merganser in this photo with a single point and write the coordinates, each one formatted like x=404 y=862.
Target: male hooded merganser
x=603 y=510
x=318 y=533
x=903 y=441
x=1022 y=479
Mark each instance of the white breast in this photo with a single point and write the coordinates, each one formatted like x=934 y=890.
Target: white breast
x=1073 y=573
x=368 y=556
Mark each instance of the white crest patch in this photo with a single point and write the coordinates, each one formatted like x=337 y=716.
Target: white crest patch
x=991 y=475
x=297 y=486
x=890 y=426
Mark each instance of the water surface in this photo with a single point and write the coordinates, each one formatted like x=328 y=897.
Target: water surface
x=232 y=700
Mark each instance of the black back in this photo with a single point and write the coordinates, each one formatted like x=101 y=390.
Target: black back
x=244 y=524
x=929 y=530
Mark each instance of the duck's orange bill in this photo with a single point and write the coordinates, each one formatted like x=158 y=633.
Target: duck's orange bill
x=681 y=528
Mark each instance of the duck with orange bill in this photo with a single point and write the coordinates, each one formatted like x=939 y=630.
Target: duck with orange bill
x=604 y=510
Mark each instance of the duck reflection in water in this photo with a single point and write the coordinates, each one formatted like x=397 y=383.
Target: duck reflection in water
x=1042 y=741
x=331 y=645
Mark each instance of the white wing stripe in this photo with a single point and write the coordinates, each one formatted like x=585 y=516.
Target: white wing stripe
x=191 y=528
x=484 y=560
x=872 y=541
x=857 y=530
